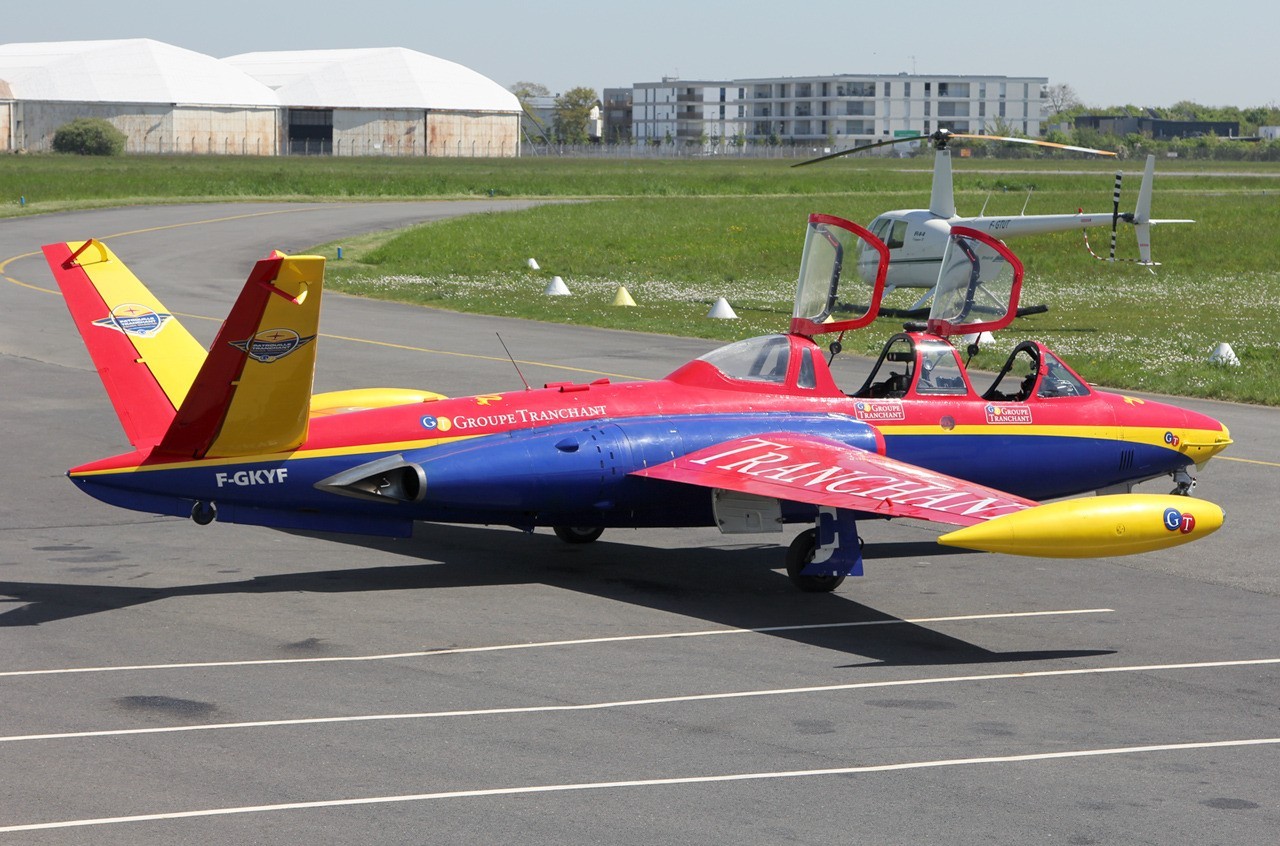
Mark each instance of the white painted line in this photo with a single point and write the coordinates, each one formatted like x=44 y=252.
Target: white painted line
x=651 y=782
x=631 y=703
x=427 y=653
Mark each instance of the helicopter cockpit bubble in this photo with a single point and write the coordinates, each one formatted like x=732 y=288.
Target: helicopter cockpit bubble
x=833 y=249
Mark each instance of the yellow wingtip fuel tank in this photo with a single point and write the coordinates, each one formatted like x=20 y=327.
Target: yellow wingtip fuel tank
x=1093 y=527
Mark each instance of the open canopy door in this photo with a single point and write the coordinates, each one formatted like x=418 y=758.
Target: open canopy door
x=979 y=282
x=836 y=251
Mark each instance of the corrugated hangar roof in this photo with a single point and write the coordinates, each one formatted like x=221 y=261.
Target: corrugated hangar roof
x=374 y=78
x=132 y=70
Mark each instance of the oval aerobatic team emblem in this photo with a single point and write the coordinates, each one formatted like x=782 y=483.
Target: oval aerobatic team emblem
x=137 y=320
x=272 y=344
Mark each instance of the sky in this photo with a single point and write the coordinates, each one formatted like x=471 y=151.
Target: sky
x=1110 y=52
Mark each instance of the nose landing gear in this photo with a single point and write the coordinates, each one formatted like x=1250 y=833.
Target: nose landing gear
x=1183 y=483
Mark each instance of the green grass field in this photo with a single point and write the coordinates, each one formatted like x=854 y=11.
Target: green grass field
x=680 y=233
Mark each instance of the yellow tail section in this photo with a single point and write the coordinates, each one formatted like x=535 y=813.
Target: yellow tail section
x=146 y=359
x=253 y=394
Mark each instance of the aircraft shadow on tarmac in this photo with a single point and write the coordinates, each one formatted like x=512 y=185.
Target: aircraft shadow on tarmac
x=737 y=587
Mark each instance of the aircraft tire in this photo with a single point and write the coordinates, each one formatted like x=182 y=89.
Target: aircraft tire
x=799 y=554
x=578 y=534
x=204 y=513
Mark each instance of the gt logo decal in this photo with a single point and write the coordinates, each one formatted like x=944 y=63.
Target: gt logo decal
x=1176 y=521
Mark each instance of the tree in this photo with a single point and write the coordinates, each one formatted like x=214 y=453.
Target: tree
x=525 y=92
x=1059 y=98
x=89 y=137
x=572 y=112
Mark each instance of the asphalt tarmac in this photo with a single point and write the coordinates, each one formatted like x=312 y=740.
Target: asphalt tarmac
x=163 y=682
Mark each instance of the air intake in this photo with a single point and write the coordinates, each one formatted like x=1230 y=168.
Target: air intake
x=390 y=479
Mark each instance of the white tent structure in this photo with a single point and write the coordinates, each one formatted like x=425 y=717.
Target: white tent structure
x=386 y=101
x=164 y=98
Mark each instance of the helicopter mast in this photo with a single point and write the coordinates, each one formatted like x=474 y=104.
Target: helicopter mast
x=942 y=199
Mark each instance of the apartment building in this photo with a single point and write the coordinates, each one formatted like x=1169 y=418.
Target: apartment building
x=834 y=110
x=678 y=111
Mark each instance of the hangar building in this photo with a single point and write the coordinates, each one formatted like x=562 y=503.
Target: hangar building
x=385 y=101
x=163 y=98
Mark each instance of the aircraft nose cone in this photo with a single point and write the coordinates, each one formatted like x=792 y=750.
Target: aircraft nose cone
x=1203 y=437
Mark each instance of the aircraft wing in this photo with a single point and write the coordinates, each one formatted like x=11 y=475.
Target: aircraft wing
x=821 y=471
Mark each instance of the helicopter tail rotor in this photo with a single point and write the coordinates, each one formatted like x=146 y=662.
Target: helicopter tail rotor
x=1140 y=218
x=1115 y=212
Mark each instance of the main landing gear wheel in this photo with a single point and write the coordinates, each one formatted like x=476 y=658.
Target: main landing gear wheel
x=578 y=534
x=799 y=554
x=203 y=513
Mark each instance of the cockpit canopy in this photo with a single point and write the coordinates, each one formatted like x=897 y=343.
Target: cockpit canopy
x=979 y=282
x=834 y=249
x=783 y=364
x=769 y=360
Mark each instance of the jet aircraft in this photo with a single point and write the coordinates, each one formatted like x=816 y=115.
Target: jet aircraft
x=749 y=437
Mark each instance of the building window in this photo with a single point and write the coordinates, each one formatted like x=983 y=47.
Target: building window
x=856 y=89
x=953 y=89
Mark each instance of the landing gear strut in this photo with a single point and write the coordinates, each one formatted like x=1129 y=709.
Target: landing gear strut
x=799 y=556
x=1183 y=483
x=820 y=558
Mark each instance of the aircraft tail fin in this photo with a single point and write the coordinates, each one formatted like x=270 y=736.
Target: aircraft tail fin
x=1142 y=214
x=252 y=395
x=1142 y=220
x=145 y=358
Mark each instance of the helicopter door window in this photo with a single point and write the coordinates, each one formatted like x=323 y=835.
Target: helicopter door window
x=897 y=235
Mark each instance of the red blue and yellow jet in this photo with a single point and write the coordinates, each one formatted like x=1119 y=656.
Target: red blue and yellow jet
x=748 y=438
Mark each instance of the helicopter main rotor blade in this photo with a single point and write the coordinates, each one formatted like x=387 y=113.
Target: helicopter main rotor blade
x=851 y=150
x=1037 y=142
x=940 y=138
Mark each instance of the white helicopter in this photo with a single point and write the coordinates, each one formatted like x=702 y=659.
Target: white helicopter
x=917 y=237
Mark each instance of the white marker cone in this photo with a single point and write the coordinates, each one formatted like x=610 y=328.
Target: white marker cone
x=623 y=297
x=1224 y=355
x=556 y=288
x=722 y=310
x=533 y=264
